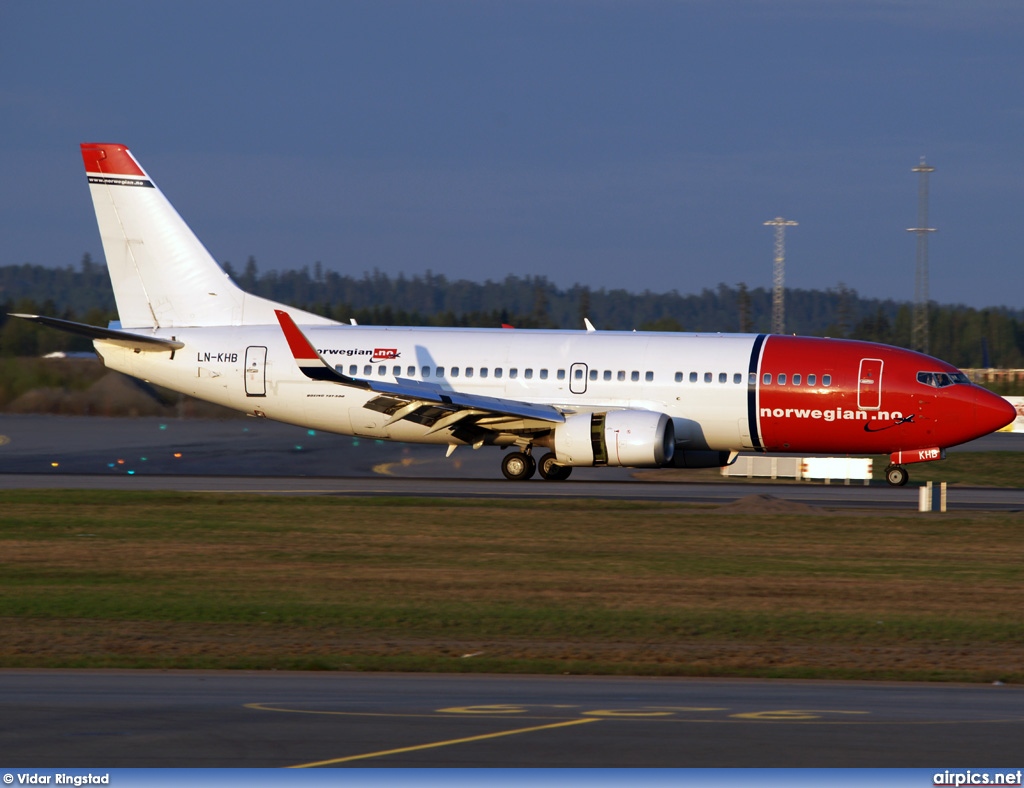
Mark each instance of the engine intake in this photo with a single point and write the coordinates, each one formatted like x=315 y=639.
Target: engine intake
x=633 y=438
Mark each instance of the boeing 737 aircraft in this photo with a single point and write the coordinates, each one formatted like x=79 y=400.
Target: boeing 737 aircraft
x=586 y=398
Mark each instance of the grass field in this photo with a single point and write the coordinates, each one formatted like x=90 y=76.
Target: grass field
x=216 y=581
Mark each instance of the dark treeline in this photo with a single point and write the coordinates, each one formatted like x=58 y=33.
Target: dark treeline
x=965 y=336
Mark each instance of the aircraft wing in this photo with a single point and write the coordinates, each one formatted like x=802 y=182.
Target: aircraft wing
x=400 y=396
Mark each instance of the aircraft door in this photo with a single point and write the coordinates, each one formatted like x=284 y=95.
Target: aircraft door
x=869 y=384
x=256 y=371
x=578 y=378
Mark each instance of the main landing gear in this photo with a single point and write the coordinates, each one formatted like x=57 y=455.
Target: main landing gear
x=520 y=466
x=896 y=475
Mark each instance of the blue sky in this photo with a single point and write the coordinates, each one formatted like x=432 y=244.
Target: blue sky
x=633 y=144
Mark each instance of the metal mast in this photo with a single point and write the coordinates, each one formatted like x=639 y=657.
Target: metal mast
x=779 y=274
x=919 y=331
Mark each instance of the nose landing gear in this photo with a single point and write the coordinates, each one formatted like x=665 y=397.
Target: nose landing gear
x=896 y=475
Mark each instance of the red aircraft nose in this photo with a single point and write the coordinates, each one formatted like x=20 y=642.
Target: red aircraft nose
x=991 y=412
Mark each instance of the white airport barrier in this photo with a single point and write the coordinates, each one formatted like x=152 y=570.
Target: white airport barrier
x=1018 y=424
x=826 y=468
x=838 y=468
x=754 y=466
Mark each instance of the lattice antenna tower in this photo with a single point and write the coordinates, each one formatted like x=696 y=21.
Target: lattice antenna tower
x=779 y=274
x=919 y=330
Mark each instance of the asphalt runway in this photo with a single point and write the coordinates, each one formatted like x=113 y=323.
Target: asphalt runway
x=257 y=456
x=119 y=719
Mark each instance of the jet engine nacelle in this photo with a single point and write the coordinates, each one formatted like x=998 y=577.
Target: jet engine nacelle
x=634 y=438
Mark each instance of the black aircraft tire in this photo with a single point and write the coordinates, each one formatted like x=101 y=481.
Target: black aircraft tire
x=518 y=467
x=551 y=470
x=896 y=475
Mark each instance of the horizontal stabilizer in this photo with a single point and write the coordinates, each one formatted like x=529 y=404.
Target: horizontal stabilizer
x=141 y=341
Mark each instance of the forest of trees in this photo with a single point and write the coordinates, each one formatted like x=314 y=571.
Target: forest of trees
x=965 y=336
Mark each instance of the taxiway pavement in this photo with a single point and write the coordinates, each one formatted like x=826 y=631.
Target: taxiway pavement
x=65 y=719
x=257 y=456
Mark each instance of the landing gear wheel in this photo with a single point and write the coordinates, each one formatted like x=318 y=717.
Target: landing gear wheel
x=551 y=470
x=896 y=475
x=518 y=467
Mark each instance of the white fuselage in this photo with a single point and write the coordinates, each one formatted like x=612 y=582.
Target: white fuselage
x=700 y=381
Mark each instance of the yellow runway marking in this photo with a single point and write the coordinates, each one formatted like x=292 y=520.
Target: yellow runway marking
x=433 y=745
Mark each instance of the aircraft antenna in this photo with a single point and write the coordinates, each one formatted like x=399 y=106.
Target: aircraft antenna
x=779 y=274
x=919 y=331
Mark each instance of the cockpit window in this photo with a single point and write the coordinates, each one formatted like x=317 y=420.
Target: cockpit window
x=939 y=380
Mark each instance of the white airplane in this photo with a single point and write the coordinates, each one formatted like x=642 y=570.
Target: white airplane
x=587 y=397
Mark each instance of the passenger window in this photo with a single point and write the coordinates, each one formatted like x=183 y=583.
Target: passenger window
x=593 y=374
x=353 y=369
x=693 y=377
x=782 y=378
x=483 y=372
x=513 y=372
x=543 y=374
x=679 y=377
x=498 y=372
x=368 y=369
x=634 y=376
x=425 y=372
x=767 y=379
x=561 y=374
x=382 y=371
x=723 y=377
x=607 y=374
x=440 y=372
x=410 y=372
x=578 y=373
x=708 y=377
x=528 y=374
x=812 y=379
x=751 y=378
x=737 y=378
x=622 y=375
x=826 y=380
x=649 y=377
x=455 y=372
x=469 y=372
x=796 y=380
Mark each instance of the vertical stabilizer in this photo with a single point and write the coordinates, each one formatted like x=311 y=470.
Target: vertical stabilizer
x=161 y=273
